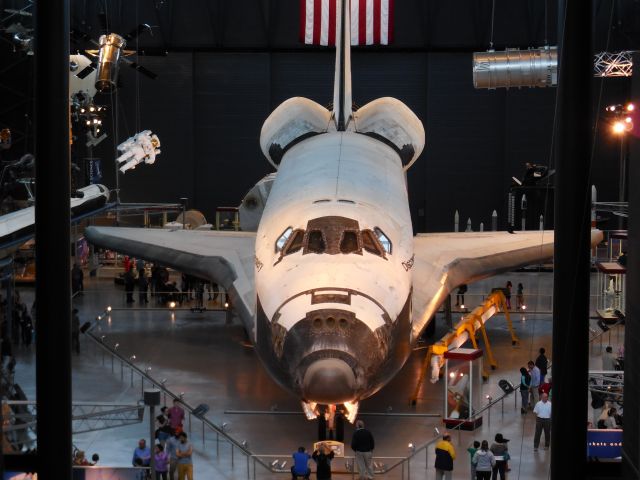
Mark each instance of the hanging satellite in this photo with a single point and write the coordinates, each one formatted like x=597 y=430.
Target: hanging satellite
x=109 y=54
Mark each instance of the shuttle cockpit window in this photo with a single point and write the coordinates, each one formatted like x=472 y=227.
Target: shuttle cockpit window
x=315 y=242
x=349 y=242
x=383 y=239
x=371 y=243
x=295 y=243
x=282 y=239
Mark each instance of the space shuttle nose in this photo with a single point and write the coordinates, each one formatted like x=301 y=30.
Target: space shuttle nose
x=329 y=381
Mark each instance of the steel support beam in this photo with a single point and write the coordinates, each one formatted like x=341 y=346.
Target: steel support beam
x=53 y=251
x=630 y=439
x=572 y=244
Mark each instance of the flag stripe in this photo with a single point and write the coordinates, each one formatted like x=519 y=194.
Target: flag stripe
x=324 y=23
x=354 y=21
x=362 y=20
x=332 y=22
x=376 y=22
x=384 y=22
x=317 y=21
x=371 y=21
x=389 y=22
x=303 y=21
x=309 y=22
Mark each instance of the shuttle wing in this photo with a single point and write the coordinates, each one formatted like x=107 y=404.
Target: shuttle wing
x=226 y=258
x=443 y=261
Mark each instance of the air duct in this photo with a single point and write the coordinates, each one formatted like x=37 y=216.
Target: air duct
x=516 y=68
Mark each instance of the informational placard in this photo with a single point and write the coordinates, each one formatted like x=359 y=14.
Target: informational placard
x=604 y=443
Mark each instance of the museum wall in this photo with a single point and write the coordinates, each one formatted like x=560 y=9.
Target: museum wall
x=229 y=64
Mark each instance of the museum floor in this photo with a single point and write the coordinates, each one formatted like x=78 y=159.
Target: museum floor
x=207 y=359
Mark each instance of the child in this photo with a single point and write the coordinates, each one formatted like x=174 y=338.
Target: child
x=472 y=451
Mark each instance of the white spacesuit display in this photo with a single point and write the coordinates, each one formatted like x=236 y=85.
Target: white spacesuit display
x=142 y=147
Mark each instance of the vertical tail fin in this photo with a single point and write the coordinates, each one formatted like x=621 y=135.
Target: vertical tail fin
x=342 y=103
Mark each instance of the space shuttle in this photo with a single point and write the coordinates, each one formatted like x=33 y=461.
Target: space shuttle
x=334 y=288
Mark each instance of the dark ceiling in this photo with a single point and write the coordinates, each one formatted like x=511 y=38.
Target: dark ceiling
x=230 y=63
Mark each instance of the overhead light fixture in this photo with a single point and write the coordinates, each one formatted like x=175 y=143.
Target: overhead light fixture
x=172 y=304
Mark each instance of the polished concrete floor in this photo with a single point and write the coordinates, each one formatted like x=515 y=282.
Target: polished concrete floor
x=207 y=358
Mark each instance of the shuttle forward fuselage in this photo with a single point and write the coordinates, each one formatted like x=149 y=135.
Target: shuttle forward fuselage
x=333 y=258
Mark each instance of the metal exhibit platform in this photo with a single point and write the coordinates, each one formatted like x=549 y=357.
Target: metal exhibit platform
x=204 y=358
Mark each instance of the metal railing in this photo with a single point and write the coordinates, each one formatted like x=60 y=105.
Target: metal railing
x=221 y=434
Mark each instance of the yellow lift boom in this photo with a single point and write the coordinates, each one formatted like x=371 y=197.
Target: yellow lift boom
x=466 y=329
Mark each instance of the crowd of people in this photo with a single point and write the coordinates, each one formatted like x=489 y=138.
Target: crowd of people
x=534 y=381
x=362 y=444
x=155 y=281
x=172 y=451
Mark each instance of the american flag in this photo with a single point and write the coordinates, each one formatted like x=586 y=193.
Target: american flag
x=371 y=22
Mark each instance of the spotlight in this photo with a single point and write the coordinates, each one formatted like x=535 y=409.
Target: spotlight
x=436 y=431
x=224 y=426
x=611 y=108
x=244 y=443
x=524 y=307
x=91 y=108
x=99 y=317
x=283 y=464
x=172 y=304
x=115 y=347
x=82 y=110
x=631 y=107
x=627 y=120
x=148 y=369
x=163 y=381
x=411 y=447
x=132 y=358
x=618 y=127
x=102 y=338
x=226 y=304
x=181 y=395
x=462 y=306
x=452 y=375
x=489 y=398
x=274 y=464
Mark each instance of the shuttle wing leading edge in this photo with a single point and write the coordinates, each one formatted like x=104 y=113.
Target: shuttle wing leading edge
x=226 y=258
x=445 y=260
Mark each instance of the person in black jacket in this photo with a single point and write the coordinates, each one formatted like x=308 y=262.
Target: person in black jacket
x=323 y=457
x=362 y=444
x=542 y=363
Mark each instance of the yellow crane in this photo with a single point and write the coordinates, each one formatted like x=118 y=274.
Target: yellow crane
x=466 y=329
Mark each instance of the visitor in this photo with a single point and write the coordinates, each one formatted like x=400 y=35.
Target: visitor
x=445 y=455
x=323 y=456
x=362 y=444
x=300 y=465
x=484 y=461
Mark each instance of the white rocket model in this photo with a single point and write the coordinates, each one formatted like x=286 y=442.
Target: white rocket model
x=142 y=147
x=334 y=289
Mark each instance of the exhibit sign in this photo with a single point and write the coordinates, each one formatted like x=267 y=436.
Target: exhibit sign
x=603 y=443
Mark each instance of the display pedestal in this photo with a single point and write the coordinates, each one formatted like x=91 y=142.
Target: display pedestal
x=463 y=376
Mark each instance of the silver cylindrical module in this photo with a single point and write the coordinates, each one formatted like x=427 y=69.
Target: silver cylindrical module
x=516 y=68
x=107 y=74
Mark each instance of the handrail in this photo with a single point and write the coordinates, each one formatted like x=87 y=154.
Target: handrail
x=160 y=385
x=458 y=427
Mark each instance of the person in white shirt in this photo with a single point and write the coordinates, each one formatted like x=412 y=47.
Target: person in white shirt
x=543 y=422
